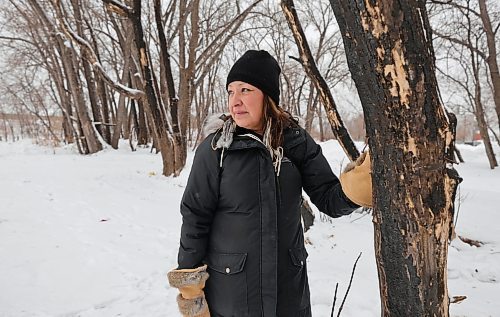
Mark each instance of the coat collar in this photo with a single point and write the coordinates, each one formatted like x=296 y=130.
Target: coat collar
x=214 y=124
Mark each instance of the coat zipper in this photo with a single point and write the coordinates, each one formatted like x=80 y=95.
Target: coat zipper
x=278 y=196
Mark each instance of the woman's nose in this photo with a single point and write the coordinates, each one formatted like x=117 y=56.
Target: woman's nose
x=235 y=99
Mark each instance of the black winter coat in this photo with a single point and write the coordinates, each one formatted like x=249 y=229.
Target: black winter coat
x=244 y=222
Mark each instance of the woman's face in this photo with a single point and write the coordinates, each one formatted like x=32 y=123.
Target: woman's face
x=246 y=105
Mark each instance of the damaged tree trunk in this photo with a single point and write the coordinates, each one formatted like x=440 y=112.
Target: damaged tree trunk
x=389 y=50
x=307 y=61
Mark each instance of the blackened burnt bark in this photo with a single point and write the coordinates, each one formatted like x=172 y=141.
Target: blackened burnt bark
x=389 y=50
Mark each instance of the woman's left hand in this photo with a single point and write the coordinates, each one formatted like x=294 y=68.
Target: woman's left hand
x=356 y=181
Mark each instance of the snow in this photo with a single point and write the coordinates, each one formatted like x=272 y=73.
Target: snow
x=95 y=236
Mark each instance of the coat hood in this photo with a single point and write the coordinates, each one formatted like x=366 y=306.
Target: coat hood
x=213 y=123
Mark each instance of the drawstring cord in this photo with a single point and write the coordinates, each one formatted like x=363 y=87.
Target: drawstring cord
x=221 y=157
x=278 y=154
x=226 y=138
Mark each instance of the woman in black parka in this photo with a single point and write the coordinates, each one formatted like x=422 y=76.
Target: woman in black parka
x=242 y=246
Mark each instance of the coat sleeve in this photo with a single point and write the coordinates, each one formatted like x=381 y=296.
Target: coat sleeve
x=319 y=182
x=198 y=205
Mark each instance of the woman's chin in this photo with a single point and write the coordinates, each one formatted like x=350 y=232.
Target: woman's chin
x=241 y=122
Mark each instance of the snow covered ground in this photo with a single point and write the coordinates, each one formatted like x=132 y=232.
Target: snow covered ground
x=95 y=235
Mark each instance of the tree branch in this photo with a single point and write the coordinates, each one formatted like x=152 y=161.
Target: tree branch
x=334 y=299
x=458 y=6
x=91 y=56
x=118 y=7
x=349 y=287
x=228 y=30
x=460 y=42
x=18 y=39
x=295 y=59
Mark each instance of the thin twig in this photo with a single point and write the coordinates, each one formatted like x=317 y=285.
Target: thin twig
x=334 y=299
x=349 y=287
x=458 y=208
x=295 y=59
x=362 y=216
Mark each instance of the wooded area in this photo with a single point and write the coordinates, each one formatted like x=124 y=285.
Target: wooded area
x=151 y=72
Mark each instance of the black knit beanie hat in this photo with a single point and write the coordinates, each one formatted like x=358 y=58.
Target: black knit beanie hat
x=259 y=69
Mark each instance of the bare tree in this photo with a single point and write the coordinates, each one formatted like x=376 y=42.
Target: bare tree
x=468 y=49
x=89 y=141
x=481 y=13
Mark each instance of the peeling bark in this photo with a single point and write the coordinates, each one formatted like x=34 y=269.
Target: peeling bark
x=389 y=50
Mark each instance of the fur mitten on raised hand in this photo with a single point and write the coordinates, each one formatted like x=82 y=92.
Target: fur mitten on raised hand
x=190 y=283
x=356 y=181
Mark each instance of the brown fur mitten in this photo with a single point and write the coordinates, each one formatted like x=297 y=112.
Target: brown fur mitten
x=195 y=307
x=190 y=283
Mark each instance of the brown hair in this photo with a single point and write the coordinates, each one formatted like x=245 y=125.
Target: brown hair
x=279 y=119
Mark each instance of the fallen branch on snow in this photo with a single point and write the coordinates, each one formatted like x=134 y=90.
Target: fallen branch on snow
x=471 y=242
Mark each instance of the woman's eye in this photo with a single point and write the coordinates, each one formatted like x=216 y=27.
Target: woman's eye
x=245 y=89
x=229 y=92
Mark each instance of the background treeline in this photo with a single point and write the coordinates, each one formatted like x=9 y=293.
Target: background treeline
x=95 y=72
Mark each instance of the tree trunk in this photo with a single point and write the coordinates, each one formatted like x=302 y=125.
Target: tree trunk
x=307 y=61
x=133 y=125
x=160 y=123
x=71 y=132
x=321 y=127
x=121 y=111
x=64 y=101
x=179 y=146
x=491 y=60
x=481 y=121
x=5 y=125
x=478 y=103
x=310 y=109
x=187 y=69
x=142 y=132
x=87 y=72
x=101 y=91
x=89 y=142
x=390 y=55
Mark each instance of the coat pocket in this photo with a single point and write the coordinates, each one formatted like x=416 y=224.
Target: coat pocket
x=298 y=286
x=226 y=288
